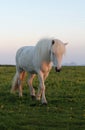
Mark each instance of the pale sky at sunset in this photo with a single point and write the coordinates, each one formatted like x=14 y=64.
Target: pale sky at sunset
x=24 y=22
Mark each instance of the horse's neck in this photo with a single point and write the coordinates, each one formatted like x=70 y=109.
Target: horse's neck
x=46 y=56
x=42 y=53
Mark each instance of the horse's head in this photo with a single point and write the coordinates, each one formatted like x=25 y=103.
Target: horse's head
x=57 y=52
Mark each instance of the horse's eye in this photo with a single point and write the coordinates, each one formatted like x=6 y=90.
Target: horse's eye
x=53 y=53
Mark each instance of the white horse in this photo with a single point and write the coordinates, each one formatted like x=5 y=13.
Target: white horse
x=39 y=60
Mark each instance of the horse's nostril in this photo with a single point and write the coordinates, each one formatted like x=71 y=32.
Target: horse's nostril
x=57 y=70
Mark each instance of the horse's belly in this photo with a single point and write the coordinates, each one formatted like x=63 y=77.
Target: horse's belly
x=26 y=64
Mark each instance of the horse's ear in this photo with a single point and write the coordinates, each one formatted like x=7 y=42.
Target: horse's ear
x=65 y=44
x=53 y=42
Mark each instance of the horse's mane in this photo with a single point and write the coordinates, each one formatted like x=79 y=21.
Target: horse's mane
x=42 y=48
x=44 y=42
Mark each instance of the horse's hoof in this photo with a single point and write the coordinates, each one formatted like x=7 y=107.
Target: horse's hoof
x=33 y=105
x=44 y=103
x=38 y=98
x=33 y=97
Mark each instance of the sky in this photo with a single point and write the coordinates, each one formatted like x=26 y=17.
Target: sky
x=24 y=22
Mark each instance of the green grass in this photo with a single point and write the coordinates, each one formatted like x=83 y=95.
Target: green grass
x=65 y=93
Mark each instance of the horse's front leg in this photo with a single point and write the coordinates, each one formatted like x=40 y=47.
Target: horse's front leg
x=41 y=89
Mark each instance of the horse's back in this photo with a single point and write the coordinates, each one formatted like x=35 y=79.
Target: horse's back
x=24 y=57
x=24 y=50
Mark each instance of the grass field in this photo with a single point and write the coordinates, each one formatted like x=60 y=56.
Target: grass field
x=65 y=93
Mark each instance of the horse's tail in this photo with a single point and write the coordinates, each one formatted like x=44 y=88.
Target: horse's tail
x=15 y=82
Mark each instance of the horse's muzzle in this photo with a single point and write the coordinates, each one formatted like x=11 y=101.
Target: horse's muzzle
x=57 y=70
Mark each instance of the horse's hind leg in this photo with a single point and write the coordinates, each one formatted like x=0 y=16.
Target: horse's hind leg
x=32 y=91
x=20 y=79
x=17 y=82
